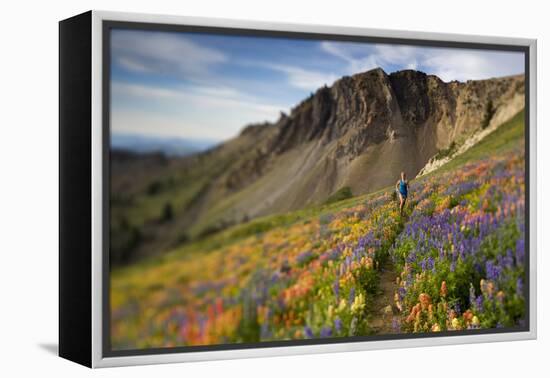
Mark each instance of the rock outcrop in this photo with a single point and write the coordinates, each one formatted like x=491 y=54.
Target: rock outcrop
x=362 y=132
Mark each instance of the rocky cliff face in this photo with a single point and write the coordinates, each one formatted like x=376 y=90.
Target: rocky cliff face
x=361 y=132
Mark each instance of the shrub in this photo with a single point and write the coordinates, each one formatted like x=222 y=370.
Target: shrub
x=167 y=212
x=340 y=195
x=489 y=113
x=154 y=188
x=447 y=151
x=124 y=240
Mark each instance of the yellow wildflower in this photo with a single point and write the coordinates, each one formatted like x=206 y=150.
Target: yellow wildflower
x=358 y=304
x=342 y=305
x=455 y=323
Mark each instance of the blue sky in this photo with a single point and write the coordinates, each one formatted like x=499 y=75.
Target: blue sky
x=201 y=86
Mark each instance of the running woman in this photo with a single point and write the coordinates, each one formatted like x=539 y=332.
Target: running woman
x=402 y=188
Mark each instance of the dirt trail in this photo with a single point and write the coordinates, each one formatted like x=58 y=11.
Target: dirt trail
x=385 y=316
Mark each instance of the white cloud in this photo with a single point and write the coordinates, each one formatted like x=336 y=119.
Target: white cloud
x=164 y=53
x=304 y=79
x=363 y=57
x=462 y=65
x=182 y=111
x=132 y=64
x=407 y=56
x=349 y=53
x=138 y=90
x=296 y=76
x=159 y=125
x=336 y=49
x=447 y=63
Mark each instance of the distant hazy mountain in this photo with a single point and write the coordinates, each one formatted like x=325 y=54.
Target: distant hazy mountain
x=170 y=146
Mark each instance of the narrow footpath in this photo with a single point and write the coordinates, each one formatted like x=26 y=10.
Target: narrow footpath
x=386 y=318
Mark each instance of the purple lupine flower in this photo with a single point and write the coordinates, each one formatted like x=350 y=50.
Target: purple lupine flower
x=509 y=260
x=265 y=332
x=519 y=287
x=423 y=265
x=431 y=263
x=351 y=295
x=479 y=303
x=493 y=271
x=348 y=262
x=478 y=268
x=457 y=308
x=520 y=252
x=202 y=324
x=338 y=325
x=326 y=332
x=401 y=292
x=336 y=288
x=308 y=332
x=334 y=254
x=304 y=257
x=396 y=325
x=441 y=254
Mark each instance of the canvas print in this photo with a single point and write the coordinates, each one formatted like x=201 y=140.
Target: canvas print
x=275 y=188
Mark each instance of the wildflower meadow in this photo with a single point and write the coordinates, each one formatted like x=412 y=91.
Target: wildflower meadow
x=456 y=260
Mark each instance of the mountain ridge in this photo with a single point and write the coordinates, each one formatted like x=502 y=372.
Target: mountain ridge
x=171 y=146
x=360 y=133
x=369 y=108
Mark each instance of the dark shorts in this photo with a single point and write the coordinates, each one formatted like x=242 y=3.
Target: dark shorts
x=403 y=195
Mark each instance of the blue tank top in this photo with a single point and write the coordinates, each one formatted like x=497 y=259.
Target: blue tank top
x=403 y=187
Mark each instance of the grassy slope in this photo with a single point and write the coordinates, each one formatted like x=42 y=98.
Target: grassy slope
x=501 y=140
x=178 y=186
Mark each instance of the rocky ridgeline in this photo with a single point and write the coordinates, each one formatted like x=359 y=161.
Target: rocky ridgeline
x=371 y=108
x=358 y=134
